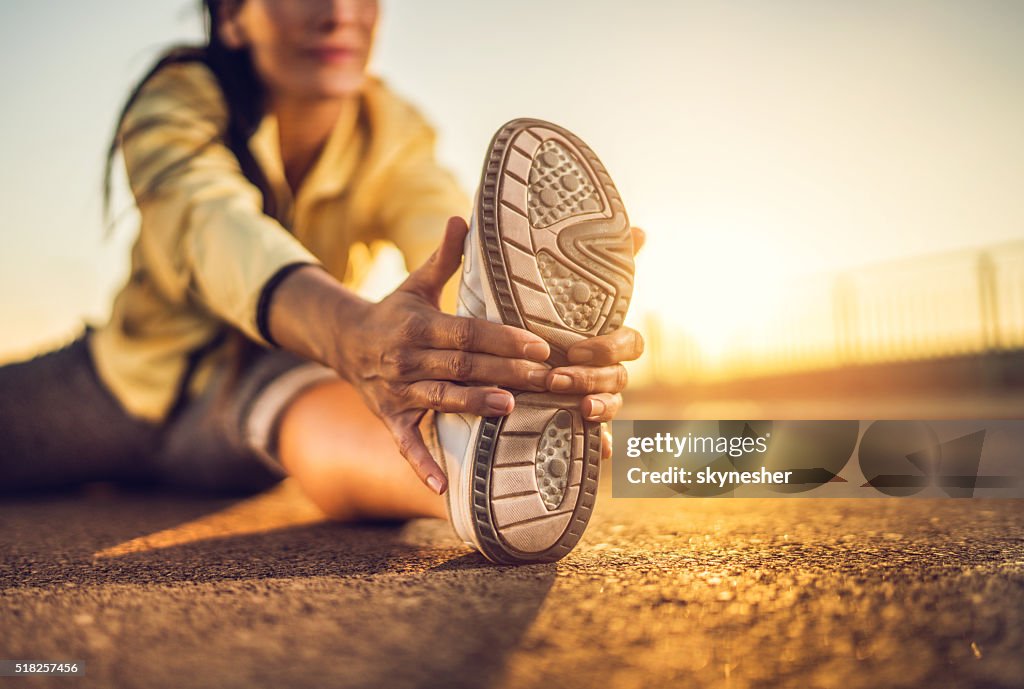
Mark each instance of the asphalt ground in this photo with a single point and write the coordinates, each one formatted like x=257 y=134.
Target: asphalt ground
x=160 y=590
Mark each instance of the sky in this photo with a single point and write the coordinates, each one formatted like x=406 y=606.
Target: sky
x=754 y=142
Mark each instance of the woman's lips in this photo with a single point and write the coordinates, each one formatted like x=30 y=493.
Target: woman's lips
x=332 y=55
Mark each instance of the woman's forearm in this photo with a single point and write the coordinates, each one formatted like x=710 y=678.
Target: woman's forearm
x=305 y=313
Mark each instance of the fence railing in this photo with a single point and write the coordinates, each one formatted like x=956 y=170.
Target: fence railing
x=955 y=304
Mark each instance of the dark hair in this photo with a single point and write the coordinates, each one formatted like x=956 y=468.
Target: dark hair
x=242 y=91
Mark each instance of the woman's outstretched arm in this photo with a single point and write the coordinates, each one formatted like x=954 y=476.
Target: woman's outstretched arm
x=403 y=354
x=204 y=238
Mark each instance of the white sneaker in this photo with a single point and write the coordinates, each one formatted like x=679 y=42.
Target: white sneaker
x=549 y=250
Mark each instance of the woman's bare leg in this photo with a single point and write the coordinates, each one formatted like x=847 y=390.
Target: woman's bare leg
x=345 y=460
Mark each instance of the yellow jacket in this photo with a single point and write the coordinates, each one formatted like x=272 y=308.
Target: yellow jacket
x=205 y=248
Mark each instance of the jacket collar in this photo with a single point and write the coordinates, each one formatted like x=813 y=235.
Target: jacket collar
x=329 y=174
x=368 y=136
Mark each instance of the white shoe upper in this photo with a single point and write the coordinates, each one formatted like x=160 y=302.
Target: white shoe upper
x=456 y=432
x=472 y=297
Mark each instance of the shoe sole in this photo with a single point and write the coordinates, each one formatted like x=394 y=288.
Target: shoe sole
x=558 y=258
x=534 y=479
x=558 y=251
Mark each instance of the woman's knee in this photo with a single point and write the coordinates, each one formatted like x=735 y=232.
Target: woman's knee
x=323 y=435
x=346 y=461
x=325 y=421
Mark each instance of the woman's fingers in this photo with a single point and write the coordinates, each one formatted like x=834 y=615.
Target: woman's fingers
x=447 y=350
x=601 y=407
x=468 y=367
x=429 y=279
x=443 y=396
x=639 y=239
x=410 y=443
x=624 y=344
x=478 y=335
x=588 y=379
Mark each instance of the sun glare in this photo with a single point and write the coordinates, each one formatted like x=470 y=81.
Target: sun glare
x=706 y=286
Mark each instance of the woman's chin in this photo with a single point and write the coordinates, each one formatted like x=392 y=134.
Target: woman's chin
x=343 y=85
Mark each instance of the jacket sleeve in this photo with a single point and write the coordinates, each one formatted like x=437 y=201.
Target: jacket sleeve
x=420 y=197
x=204 y=237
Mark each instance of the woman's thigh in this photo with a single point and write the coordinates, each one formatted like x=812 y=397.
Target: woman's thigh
x=60 y=426
x=220 y=441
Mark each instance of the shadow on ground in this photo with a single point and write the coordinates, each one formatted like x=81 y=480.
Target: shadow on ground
x=155 y=590
x=384 y=604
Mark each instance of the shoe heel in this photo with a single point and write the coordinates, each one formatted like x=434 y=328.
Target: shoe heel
x=535 y=477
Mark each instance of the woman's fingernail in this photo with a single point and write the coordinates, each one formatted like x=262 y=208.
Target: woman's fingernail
x=580 y=356
x=536 y=351
x=538 y=378
x=435 y=484
x=499 y=403
x=596 y=409
x=560 y=381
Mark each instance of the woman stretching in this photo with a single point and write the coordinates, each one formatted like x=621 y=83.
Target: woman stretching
x=267 y=167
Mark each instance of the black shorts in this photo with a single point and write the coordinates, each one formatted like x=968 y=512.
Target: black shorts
x=61 y=426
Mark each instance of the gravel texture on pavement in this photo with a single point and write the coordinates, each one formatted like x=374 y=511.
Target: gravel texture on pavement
x=157 y=590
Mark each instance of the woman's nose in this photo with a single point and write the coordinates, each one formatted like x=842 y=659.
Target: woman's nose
x=337 y=12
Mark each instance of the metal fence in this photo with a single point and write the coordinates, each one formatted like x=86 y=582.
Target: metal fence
x=962 y=303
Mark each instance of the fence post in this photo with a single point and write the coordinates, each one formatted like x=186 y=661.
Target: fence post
x=988 y=300
x=844 y=319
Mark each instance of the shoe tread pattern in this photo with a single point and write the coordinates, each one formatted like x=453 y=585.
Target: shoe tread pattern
x=493 y=545
x=581 y=288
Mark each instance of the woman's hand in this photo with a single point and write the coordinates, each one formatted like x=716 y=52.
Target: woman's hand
x=408 y=356
x=595 y=369
x=404 y=355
